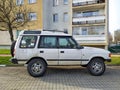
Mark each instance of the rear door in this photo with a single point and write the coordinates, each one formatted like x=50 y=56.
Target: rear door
x=47 y=48
x=26 y=47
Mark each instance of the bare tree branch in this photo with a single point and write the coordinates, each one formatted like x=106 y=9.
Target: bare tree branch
x=8 y=16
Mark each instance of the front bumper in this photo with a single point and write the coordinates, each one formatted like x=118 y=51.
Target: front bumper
x=14 y=61
x=108 y=60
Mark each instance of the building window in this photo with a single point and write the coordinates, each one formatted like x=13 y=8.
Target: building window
x=55 y=17
x=20 y=17
x=31 y=1
x=55 y=2
x=84 y=31
x=66 y=30
x=65 y=17
x=65 y=2
x=32 y=16
x=90 y=13
x=19 y=2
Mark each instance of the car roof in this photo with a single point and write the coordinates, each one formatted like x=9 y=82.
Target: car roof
x=38 y=32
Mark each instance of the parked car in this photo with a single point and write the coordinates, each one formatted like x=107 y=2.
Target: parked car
x=39 y=49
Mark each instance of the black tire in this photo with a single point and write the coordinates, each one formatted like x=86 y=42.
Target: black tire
x=36 y=67
x=96 y=67
x=12 y=48
x=84 y=65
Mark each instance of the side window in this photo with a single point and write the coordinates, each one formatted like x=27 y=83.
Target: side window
x=28 y=42
x=66 y=42
x=47 y=42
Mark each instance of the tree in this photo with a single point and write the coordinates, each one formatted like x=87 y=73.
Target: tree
x=110 y=38
x=12 y=16
x=117 y=36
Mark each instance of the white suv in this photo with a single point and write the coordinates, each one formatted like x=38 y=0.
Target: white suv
x=38 y=49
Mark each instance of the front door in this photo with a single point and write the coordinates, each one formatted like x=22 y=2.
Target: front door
x=68 y=52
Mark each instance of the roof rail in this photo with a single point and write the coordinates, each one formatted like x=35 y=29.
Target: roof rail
x=32 y=32
x=65 y=31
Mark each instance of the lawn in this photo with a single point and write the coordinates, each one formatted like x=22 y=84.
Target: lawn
x=115 y=61
x=5 y=60
x=4 y=51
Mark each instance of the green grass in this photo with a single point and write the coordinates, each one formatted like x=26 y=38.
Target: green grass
x=4 y=51
x=115 y=61
x=5 y=60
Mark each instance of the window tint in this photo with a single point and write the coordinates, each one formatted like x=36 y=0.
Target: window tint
x=66 y=42
x=28 y=42
x=47 y=42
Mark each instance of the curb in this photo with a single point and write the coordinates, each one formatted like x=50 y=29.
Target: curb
x=3 y=65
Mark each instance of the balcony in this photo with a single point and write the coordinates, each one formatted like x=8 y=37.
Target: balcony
x=91 y=5
x=87 y=3
x=90 y=39
x=89 y=20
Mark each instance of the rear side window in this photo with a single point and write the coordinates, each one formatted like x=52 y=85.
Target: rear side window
x=47 y=42
x=28 y=42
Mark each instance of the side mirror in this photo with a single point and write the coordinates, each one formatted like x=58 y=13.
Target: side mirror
x=80 y=47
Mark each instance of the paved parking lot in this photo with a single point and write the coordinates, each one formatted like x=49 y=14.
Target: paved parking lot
x=17 y=78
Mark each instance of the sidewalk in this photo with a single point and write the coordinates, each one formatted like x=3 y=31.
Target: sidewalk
x=17 y=78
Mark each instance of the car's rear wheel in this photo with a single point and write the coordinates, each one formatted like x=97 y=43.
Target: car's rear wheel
x=36 y=67
x=96 y=67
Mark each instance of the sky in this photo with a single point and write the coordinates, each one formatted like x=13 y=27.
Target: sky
x=114 y=15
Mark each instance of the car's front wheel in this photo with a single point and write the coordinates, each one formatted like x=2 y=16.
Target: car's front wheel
x=36 y=67
x=96 y=67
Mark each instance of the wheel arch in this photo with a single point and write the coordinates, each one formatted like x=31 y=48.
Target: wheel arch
x=97 y=57
x=37 y=58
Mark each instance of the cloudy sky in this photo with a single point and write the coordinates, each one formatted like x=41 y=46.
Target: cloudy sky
x=114 y=15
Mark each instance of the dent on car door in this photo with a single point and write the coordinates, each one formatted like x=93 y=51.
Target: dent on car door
x=68 y=52
x=48 y=49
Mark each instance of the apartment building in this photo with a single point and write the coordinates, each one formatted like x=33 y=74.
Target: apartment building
x=90 y=22
x=36 y=20
x=57 y=15
x=86 y=20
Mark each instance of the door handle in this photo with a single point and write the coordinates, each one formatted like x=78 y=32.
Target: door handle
x=61 y=51
x=41 y=51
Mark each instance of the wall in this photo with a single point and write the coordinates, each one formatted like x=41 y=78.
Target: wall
x=49 y=10
x=5 y=38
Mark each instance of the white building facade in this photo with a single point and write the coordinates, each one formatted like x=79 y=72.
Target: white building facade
x=86 y=20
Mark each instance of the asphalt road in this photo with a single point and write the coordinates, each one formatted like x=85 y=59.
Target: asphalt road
x=17 y=78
